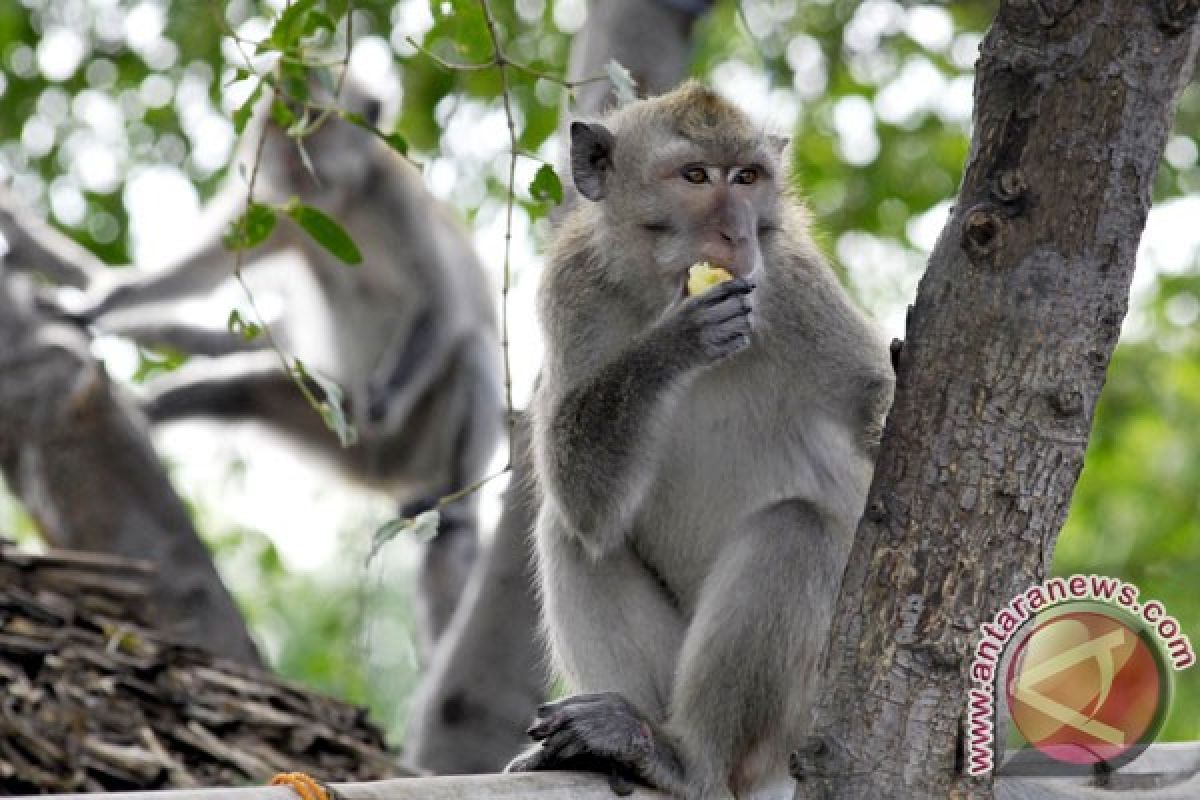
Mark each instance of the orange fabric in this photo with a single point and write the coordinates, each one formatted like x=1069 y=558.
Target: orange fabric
x=304 y=785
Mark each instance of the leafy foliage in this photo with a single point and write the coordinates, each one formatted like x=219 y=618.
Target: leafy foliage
x=325 y=230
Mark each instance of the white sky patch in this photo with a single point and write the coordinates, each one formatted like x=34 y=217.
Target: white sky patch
x=94 y=163
x=958 y=100
x=101 y=114
x=476 y=133
x=1181 y=152
x=54 y=104
x=1172 y=238
x=872 y=20
x=101 y=73
x=775 y=109
x=303 y=519
x=37 y=136
x=409 y=18
x=965 y=50
x=59 y=53
x=930 y=26
x=67 y=202
x=884 y=273
x=569 y=15
x=163 y=206
x=916 y=89
x=810 y=73
x=212 y=140
x=156 y=91
x=854 y=122
x=923 y=229
x=1182 y=310
x=144 y=25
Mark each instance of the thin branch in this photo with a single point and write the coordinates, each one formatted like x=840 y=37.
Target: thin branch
x=506 y=285
x=501 y=59
x=239 y=259
x=445 y=63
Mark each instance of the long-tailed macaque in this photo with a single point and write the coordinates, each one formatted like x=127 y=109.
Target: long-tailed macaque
x=703 y=459
x=412 y=336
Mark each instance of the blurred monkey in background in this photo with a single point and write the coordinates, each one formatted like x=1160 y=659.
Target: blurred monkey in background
x=410 y=334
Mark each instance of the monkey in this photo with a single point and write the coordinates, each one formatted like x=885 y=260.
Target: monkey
x=412 y=333
x=702 y=460
x=31 y=245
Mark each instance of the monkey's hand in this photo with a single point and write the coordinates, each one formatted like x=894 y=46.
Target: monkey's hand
x=711 y=326
x=602 y=733
x=97 y=302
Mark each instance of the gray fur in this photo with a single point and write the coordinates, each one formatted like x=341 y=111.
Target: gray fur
x=412 y=334
x=704 y=460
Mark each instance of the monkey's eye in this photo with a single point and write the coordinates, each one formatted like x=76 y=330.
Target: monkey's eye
x=695 y=174
x=746 y=176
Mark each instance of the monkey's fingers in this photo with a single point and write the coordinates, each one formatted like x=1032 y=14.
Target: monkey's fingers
x=553 y=715
x=565 y=746
x=526 y=762
x=724 y=291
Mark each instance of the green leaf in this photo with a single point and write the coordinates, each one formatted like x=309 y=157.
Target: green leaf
x=394 y=140
x=238 y=326
x=317 y=20
x=423 y=527
x=337 y=8
x=546 y=187
x=293 y=80
x=623 y=83
x=243 y=113
x=252 y=228
x=325 y=230
x=155 y=360
x=289 y=27
x=331 y=406
x=281 y=115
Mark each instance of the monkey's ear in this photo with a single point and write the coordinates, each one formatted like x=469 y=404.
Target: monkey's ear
x=591 y=158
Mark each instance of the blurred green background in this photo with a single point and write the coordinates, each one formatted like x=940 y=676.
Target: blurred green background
x=96 y=95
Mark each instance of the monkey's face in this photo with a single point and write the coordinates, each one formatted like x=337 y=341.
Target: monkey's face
x=332 y=161
x=693 y=204
x=685 y=178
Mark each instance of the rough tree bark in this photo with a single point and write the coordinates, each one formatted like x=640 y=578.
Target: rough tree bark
x=1008 y=342
x=81 y=462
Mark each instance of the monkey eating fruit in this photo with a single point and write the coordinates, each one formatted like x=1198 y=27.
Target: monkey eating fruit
x=703 y=457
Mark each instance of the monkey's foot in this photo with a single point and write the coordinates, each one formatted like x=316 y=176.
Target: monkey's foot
x=602 y=733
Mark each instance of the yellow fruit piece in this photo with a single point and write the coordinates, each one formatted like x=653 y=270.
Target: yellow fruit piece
x=703 y=276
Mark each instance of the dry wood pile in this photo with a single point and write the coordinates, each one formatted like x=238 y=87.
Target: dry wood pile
x=92 y=699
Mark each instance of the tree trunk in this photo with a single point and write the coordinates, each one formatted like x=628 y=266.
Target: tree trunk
x=1008 y=342
x=81 y=462
x=487 y=675
x=650 y=38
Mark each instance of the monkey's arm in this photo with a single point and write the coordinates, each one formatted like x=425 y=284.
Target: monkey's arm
x=36 y=246
x=200 y=272
x=599 y=436
x=191 y=339
x=207 y=265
